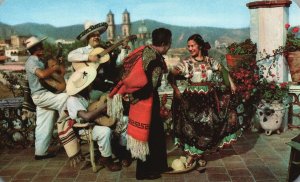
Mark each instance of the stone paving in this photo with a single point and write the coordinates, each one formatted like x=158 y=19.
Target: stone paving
x=255 y=157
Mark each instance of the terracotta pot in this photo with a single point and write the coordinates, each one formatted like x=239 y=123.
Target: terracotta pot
x=293 y=59
x=235 y=61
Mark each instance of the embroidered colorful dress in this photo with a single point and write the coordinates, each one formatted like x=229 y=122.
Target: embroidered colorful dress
x=201 y=117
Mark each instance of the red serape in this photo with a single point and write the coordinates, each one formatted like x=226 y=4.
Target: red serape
x=139 y=113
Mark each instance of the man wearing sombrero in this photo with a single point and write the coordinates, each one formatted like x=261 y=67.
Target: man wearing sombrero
x=92 y=36
x=106 y=65
x=78 y=88
x=47 y=103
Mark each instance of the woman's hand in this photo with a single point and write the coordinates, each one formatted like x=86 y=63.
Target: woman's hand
x=219 y=67
x=232 y=87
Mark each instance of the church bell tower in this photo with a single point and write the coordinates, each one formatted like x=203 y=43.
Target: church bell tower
x=111 y=29
x=126 y=24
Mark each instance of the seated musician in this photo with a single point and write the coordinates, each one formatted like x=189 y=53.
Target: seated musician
x=47 y=103
x=78 y=87
x=107 y=73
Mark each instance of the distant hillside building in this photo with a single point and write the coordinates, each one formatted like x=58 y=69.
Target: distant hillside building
x=17 y=41
x=219 y=45
x=65 y=42
x=3 y=44
x=14 y=48
x=143 y=36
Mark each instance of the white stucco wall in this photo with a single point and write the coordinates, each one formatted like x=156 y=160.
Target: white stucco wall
x=271 y=35
x=267 y=29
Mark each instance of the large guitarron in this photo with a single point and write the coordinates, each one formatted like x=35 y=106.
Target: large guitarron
x=102 y=54
x=102 y=120
x=56 y=82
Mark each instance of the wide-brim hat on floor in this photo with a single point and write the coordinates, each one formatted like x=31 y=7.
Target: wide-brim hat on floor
x=32 y=41
x=80 y=79
x=91 y=28
x=178 y=165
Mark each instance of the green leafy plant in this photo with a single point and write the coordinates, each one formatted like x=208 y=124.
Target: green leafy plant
x=243 y=48
x=14 y=82
x=271 y=91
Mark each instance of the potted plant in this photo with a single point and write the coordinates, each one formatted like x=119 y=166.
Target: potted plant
x=273 y=105
x=272 y=91
x=292 y=49
x=240 y=52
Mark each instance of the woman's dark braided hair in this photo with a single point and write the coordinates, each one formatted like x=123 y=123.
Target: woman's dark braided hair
x=205 y=46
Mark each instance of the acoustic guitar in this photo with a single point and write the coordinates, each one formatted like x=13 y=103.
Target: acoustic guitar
x=102 y=54
x=56 y=82
x=102 y=120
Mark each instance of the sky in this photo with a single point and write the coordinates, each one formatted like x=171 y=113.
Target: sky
x=212 y=13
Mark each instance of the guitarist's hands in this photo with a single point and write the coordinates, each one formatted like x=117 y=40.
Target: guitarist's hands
x=55 y=67
x=125 y=44
x=93 y=58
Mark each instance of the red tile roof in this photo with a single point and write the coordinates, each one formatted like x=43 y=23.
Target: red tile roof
x=3 y=58
x=12 y=67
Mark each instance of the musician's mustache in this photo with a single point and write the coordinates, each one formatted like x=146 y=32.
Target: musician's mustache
x=96 y=39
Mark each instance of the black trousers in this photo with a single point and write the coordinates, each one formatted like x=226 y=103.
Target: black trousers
x=156 y=161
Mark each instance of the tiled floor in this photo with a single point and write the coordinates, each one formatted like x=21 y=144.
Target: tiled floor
x=255 y=157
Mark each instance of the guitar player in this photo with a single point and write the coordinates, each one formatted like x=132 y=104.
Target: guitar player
x=47 y=103
x=107 y=71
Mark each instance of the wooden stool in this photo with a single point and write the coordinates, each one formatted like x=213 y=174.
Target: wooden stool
x=88 y=136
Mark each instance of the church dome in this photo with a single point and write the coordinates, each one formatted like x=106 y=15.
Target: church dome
x=142 y=29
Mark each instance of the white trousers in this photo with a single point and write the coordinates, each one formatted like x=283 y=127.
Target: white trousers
x=47 y=104
x=102 y=134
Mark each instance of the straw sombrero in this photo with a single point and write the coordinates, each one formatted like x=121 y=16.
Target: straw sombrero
x=32 y=41
x=90 y=28
x=80 y=79
x=177 y=165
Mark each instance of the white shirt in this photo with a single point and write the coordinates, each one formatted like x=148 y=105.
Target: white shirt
x=82 y=54
x=75 y=104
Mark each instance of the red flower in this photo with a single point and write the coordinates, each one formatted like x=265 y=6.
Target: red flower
x=202 y=66
x=272 y=86
x=295 y=29
x=283 y=85
x=287 y=26
x=203 y=75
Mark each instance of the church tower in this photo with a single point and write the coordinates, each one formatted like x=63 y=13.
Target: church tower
x=111 y=29
x=126 y=24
